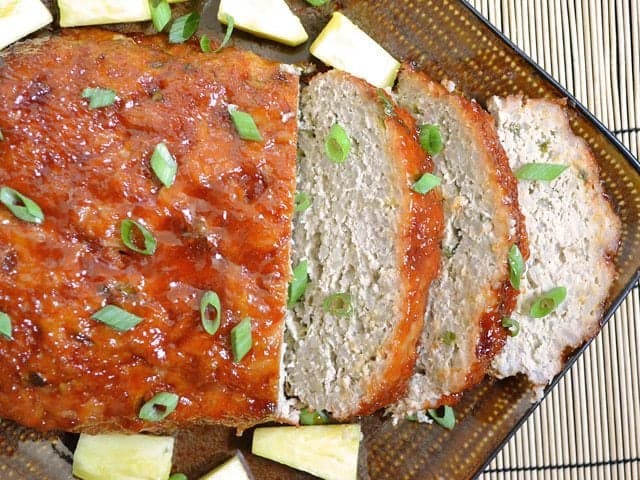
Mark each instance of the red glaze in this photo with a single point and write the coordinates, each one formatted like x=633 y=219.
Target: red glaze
x=225 y=225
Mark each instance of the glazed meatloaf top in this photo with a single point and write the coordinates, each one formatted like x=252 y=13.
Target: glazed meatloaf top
x=224 y=226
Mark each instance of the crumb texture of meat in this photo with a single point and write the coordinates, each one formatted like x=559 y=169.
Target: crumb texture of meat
x=223 y=226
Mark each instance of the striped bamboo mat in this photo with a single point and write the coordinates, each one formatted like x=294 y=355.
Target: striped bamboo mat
x=589 y=426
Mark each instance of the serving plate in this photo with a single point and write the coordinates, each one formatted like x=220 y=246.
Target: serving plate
x=449 y=40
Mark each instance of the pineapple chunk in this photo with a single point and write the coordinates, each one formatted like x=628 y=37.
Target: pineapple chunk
x=326 y=451
x=272 y=19
x=123 y=457
x=75 y=13
x=232 y=469
x=342 y=45
x=19 y=18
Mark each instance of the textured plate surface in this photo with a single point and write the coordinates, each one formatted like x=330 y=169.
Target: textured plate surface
x=448 y=40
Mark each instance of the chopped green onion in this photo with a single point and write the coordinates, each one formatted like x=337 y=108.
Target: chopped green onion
x=116 y=318
x=160 y=13
x=447 y=419
x=210 y=299
x=178 y=476
x=164 y=165
x=309 y=417
x=513 y=326
x=338 y=144
x=302 y=202
x=129 y=229
x=21 y=206
x=548 y=302
x=389 y=111
x=5 y=326
x=245 y=125
x=430 y=139
x=448 y=338
x=227 y=35
x=99 y=97
x=205 y=44
x=241 y=341
x=159 y=407
x=184 y=27
x=298 y=283
x=338 y=304
x=317 y=3
x=516 y=266
x=540 y=171
x=426 y=183
x=412 y=417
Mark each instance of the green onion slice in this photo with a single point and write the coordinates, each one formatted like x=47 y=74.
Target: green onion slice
x=5 y=326
x=512 y=325
x=317 y=3
x=548 y=302
x=540 y=171
x=241 y=341
x=338 y=144
x=389 y=111
x=160 y=13
x=302 y=202
x=205 y=44
x=178 y=476
x=159 y=407
x=338 y=304
x=309 y=417
x=413 y=417
x=227 y=36
x=426 y=183
x=516 y=266
x=443 y=416
x=449 y=338
x=245 y=125
x=299 y=283
x=21 y=206
x=164 y=165
x=116 y=318
x=99 y=97
x=210 y=300
x=130 y=231
x=430 y=139
x=184 y=27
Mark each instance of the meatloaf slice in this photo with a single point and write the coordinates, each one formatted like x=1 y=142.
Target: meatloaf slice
x=367 y=235
x=463 y=322
x=573 y=234
x=89 y=169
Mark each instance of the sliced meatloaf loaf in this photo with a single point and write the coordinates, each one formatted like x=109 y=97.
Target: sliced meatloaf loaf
x=367 y=237
x=573 y=233
x=463 y=322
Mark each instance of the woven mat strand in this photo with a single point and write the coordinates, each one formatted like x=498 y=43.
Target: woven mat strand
x=589 y=426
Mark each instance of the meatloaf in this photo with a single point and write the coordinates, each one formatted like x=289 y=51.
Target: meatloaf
x=223 y=226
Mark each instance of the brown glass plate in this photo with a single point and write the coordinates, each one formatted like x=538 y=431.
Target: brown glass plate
x=450 y=40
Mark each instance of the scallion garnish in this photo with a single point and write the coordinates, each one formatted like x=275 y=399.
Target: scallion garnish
x=116 y=318
x=160 y=13
x=317 y=3
x=338 y=304
x=298 y=283
x=205 y=44
x=309 y=417
x=178 y=476
x=389 y=111
x=99 y=97
x=227 y=36
x=430 y=139
x=245 y=125
x=516 y=266
x=443 y=416
x=413 y=417
x=548 y=302
x=513 y=326
x=210 y=300
x=130 y=231
x=241 y=341
x=164 y=165
x=302 y=202
x=184 y=27
x=159 y=407
x=426 y=183
x=5 y=326
x=540 y=171
x=338 y=144
x=21 y=206
x=449 y=338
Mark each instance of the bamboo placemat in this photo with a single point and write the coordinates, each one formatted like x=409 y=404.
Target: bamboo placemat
x=589 y=426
